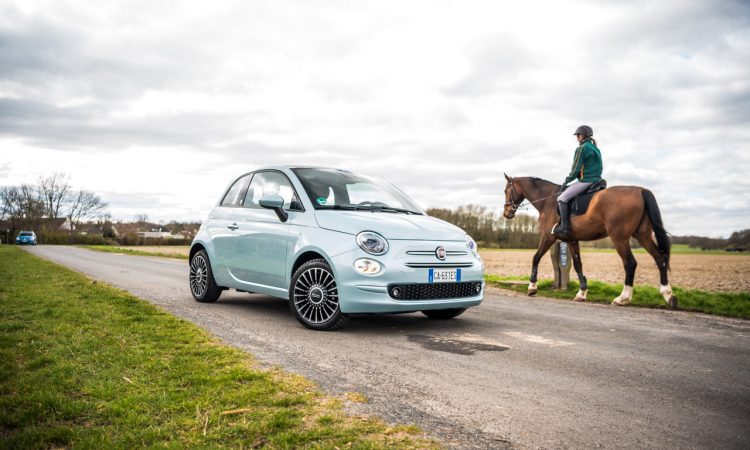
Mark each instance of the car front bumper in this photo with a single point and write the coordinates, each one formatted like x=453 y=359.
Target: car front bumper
x=407 y=264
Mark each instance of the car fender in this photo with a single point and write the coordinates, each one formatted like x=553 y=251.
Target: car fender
x=313 y=240
x=204 y=239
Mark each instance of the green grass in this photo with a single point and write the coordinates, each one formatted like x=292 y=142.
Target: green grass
x=720 y=303
x=85 y=365
x=129 y=251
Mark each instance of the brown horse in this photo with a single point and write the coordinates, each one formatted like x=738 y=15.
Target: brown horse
x=620 y=212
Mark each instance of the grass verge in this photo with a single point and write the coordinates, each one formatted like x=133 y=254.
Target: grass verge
x=129 y=251
x=720 y=303
x=89 y=366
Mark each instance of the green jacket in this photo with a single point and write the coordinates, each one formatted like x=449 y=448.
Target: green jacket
x=587 y=164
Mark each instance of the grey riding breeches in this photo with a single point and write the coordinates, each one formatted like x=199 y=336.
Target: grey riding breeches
x=573 y=190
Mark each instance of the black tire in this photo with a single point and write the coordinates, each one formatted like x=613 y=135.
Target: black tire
x=201 y=279
x=314 y=297
x=443 y=314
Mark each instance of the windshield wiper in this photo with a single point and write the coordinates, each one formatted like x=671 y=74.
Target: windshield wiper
x=369 y=208
x=391 y=209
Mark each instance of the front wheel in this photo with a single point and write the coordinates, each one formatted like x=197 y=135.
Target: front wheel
x=443 y=314
x=202 y=283
x=314 y=297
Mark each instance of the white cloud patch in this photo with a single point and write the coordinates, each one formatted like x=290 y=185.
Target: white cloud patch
x=157 y=108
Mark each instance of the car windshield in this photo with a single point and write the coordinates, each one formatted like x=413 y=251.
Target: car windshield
x=25 y=233
x=341 y=189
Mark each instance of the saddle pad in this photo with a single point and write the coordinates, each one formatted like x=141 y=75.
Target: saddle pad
x=580 y=204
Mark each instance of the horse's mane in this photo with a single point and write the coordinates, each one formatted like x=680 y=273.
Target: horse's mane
x=536 y=180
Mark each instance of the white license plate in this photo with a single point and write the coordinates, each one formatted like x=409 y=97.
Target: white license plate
x=444 y=275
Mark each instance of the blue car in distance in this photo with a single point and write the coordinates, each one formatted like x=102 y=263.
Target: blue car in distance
x=332 y=243
x=26 y=238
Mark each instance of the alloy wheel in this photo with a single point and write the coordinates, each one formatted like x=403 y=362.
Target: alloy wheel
x=198 y=275
x=316 y=298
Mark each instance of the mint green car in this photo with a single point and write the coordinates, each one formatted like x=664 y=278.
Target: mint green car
x=333 y=243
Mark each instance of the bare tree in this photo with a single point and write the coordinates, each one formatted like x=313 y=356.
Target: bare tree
x=55 y=192
x=21 y=206
x=141 y=218
x=84 y=205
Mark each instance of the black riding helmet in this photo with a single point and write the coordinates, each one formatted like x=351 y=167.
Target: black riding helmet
x=584 y=130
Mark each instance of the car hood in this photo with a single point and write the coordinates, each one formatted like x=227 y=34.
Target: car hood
x=390 y=225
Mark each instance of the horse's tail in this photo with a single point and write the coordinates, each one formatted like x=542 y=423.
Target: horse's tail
x=654 y=215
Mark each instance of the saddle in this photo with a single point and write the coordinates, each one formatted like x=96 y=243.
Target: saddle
x=580 y=204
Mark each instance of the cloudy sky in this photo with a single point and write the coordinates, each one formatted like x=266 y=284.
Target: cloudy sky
x=157 y=106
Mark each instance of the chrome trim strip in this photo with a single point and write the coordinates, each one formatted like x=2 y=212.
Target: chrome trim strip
x=432 y=252
x=439 y=264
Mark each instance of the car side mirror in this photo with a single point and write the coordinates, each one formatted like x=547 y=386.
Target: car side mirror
x=276 y=203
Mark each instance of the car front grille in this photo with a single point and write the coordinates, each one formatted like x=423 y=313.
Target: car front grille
x=434 y=291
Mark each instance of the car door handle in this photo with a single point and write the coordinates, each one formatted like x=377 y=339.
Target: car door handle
x=233 y=226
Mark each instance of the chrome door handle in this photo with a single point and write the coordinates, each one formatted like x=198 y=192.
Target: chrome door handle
x=233 y=226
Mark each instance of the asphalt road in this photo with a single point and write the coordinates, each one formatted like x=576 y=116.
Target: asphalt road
x=513 y=372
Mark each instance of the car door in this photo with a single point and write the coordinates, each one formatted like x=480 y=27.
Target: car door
x=222 y=223
x=260 y=244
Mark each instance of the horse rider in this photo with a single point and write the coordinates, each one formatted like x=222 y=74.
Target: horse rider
x=587 y=169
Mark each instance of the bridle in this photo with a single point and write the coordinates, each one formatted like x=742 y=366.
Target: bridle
x=512 y=203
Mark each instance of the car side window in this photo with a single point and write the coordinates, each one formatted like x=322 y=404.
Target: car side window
x=265 y=183
x=233 y=194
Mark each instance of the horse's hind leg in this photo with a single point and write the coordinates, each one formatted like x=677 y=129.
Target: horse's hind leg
x=584 y=286
x=644 y=238
x=544 y=244
x=629 y=263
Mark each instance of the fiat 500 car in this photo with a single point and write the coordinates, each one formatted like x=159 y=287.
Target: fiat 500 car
x=333 y=243
x=26 y=238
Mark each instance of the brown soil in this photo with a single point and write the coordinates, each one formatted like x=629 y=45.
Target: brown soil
x=722 y=273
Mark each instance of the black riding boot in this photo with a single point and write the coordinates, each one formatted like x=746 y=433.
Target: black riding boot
x=562 y=231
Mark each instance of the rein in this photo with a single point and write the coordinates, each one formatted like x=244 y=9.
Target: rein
x=514 y=206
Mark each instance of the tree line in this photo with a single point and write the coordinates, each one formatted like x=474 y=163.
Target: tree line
x=739 y=240
x=491 y=229
x=39 y=206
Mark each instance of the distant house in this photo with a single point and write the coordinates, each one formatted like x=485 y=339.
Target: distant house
x=158 y=234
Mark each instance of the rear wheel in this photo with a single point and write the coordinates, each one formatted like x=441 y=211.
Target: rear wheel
x=202 y=283
x=314 y=297
x=442 y=314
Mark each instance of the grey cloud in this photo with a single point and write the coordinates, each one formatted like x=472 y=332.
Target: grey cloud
x=496 y=61
x=88 y=126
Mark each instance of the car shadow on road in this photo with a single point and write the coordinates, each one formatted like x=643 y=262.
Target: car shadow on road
x=358 y=324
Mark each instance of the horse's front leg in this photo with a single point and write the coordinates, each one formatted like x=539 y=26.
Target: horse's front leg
x=583 y=290
x=544 y=244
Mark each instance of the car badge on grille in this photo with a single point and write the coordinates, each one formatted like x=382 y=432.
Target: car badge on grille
x=440 y=253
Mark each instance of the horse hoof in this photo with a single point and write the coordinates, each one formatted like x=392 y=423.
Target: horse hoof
x=672 y=302
x=620 y=302
x=531 y=293
x=579 y=299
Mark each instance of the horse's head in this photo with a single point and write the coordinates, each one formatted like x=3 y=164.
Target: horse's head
x=513 y=197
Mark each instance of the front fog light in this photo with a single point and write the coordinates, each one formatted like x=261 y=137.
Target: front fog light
x=367 y=266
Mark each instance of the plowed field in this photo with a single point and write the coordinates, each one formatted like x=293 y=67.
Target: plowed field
x=722 y=273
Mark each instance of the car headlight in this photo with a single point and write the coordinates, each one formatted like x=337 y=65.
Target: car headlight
x=472 y=246
x=367 y=266
x=372 y=243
